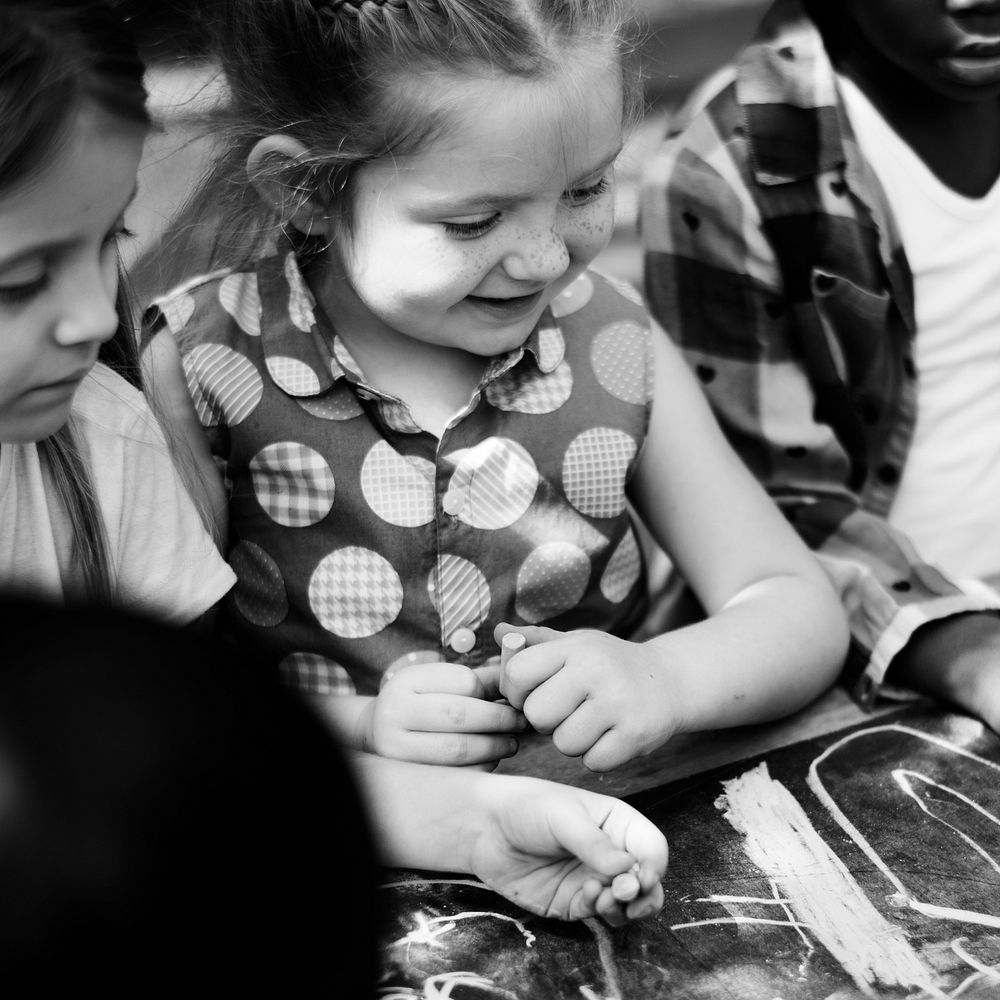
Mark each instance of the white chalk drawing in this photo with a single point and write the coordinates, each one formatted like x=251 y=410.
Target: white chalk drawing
x=781 y=841
x=822 y=897
x=432 y=931
x=905 y=780
x=812 y=893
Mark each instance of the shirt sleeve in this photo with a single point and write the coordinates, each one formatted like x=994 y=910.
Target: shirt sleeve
x=166 y=562
x=712 y=281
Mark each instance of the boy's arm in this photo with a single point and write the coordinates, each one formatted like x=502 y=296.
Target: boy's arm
x=712 y=281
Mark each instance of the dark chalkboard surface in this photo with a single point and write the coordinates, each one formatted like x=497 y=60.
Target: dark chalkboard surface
x=864 y=863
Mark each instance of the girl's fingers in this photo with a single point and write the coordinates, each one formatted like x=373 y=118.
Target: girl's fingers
x=576 y=722
x=444 y=678
x=528 y=669
x=444 y=713
x=647 y=904
x=460 y=749
x=489 y=678
x=534 y=635
x=626 y=887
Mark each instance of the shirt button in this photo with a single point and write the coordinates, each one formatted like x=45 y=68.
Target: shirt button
x=462 y=640
x=451 y=502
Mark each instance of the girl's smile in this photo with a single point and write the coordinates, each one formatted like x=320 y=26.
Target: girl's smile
x=507 y=309
x=461 y=246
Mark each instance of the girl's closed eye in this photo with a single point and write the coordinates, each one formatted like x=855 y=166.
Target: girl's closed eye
x=473 y=229
x=23 y=283
x=587 y=193
x=30 y=278
x=574 y=197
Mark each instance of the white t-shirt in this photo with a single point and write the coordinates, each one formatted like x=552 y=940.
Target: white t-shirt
x=165 y=562
x=949 y=494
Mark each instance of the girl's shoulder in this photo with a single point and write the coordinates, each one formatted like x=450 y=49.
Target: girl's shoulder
x=176 y=308
x=596 y=300
x=613 y=285
x=106 y=406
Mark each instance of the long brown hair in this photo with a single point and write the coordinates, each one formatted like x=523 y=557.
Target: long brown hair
x=56 y=57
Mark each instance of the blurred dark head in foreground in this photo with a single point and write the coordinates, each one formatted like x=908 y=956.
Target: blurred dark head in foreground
x=172 y=821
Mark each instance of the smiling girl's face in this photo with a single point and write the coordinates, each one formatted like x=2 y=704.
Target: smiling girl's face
x=58 y=270
x=465 y=243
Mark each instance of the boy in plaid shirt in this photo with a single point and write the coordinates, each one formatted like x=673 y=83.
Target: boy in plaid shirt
x=819 y=239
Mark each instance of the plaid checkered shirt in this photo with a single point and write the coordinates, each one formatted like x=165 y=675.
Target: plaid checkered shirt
x=772 y=258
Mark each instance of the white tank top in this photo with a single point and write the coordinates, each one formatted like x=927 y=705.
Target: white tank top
x=949 y=494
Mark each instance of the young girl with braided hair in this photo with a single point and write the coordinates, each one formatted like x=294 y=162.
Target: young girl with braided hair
x=435 y=422
x=91 y=505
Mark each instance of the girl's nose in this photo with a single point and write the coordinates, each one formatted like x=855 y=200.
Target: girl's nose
x=539 y=257
x=90 y=314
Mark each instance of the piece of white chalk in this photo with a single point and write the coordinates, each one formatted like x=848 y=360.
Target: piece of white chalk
x=511 y=643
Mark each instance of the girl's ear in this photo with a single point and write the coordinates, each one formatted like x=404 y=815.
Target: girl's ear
x=306 y=210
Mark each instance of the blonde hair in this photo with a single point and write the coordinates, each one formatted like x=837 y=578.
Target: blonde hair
x=334 y=74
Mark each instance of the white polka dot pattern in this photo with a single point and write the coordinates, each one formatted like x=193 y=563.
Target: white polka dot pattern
x=551 y=581
x=292 y=375
x=551 y=346
x=354 y=593
x=337 y=404
x=177 y=311
x=527 y=390
x=237 y=385
x=622 y=570
x=399 y=488
x=466 y=594
x=238 y=295
x=493 y=483
x=618 y=357
x=292 y=483
x=316 y=673
x=594 y=470
x=260 y=591
x=573 y=297
x=300 y=300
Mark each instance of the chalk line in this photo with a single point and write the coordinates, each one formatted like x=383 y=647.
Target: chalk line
x=928 y=909
x=821 y=892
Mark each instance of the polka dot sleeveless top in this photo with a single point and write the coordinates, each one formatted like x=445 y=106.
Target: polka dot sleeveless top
x=360 y=541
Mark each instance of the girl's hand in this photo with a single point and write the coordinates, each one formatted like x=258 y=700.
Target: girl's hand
x=602 y=698
x=443 y=713
x=568 y=853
